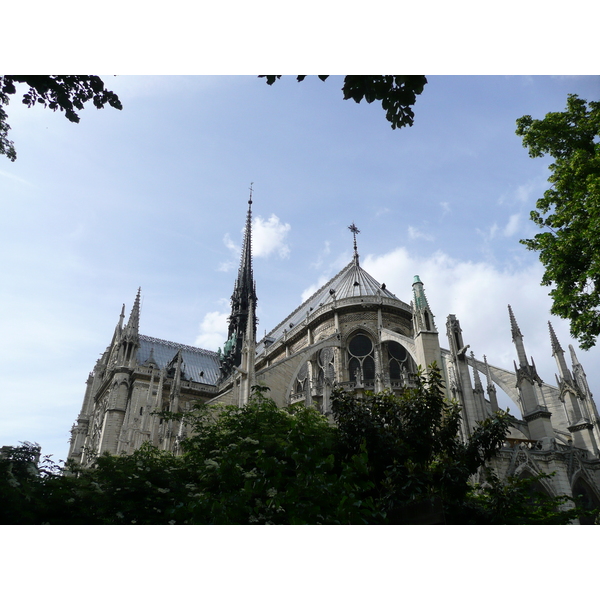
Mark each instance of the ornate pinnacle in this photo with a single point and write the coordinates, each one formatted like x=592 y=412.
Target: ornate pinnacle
x=574 y=358
x=514 y=328
x=556 y=348
x=488 y=375
x=133 y=324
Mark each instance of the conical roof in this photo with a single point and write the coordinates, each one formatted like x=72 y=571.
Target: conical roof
x=351 y=282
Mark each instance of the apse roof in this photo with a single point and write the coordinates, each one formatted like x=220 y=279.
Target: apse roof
x=352 y=281
x=201 y=366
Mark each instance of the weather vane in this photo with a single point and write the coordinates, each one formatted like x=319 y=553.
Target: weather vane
x=251 y=184
x=354 y=229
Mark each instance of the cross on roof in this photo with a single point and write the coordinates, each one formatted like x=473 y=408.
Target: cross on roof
x=354 y=229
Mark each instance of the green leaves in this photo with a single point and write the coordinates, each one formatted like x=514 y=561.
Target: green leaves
x=389 y=460
x=67 y=93
x=397 y=93
x=418 y=468
x=570 y=211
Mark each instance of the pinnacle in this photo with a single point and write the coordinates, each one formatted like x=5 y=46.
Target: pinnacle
x=488 y=375
x=133 y=325
x=574 y=358
x=478 y=385
x=554 y=340
x=514 y=328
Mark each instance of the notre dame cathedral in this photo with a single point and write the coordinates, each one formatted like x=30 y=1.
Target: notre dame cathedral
x=353 y=333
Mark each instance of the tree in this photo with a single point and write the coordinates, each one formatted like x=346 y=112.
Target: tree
x=397 y=93
x=388 y=460
x=415 y=460
x=67 y=93
x=520 y=501
x=569 y=212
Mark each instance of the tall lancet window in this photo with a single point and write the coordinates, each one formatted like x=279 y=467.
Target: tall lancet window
x=427 y=321
x=397 y=360
x=302 y=379
x=361 y=364
x=326 y=368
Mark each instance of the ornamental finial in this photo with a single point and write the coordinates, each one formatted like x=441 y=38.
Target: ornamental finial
x=354 y=229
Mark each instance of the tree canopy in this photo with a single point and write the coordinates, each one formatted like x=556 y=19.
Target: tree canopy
x=387 y=460
x=67 y=93
x=569 y=212
x=397 y=93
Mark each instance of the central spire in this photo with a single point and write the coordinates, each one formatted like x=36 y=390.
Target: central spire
x=243 y=303
x=245 y=278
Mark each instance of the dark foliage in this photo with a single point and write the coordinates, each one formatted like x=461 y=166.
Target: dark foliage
x=397 y=93
x=388 y=460
x=67 y=93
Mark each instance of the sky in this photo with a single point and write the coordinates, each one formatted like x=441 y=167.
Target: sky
x=155 y=196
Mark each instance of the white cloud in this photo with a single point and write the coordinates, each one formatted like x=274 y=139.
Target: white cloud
x=524 y=192
x=445 y=208
x=513 y=225
x=325 y=252
x=382 y=211
x=490 y=234
x=309 y=291
x=229 y=243
x=213 y=331
x=14 y=177
x=478 y=294
x=269 y=236
x=414 y=233
x=226 y=266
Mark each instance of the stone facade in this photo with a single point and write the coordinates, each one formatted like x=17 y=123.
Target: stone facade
x=354 y=333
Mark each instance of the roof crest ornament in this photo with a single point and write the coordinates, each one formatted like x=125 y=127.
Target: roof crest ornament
x=354 y=229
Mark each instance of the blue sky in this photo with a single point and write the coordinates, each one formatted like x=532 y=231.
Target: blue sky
x=155 y=196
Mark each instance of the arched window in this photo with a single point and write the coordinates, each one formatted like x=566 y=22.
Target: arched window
x=397 y=359
x=325 y=360
x=361 y=362
x=302 y=379
x=534 y=486
x=401 y=367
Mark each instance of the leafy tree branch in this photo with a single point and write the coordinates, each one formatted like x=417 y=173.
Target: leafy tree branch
x=570 y=211
x=397 y=93
x=67 y=93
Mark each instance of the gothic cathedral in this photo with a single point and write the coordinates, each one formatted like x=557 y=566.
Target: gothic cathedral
x=354 y=333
